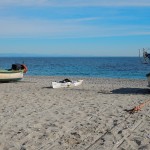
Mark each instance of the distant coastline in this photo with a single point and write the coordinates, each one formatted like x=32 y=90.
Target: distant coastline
x=50 y=55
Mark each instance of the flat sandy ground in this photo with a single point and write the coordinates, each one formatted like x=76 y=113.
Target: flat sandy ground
x=33 y=116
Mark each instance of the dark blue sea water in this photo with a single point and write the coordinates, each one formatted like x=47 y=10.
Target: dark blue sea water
x=105 y=67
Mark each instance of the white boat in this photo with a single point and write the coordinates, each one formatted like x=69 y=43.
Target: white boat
x=13 y=74
x=148 y=79
x=10 y=75
x=66 y=83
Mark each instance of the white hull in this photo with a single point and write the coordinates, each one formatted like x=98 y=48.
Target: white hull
x=6 y=76
x=66 y=84
x=148 y=79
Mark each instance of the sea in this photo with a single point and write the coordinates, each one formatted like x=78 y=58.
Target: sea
x=96 y=67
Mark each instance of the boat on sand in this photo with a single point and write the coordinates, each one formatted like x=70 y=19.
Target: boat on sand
x=66 y=83
x=148 y=79
x=13 y=74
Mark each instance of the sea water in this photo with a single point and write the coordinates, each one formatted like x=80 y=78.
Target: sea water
x=98 y=67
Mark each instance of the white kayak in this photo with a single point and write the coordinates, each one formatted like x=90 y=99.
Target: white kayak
x=65 y=84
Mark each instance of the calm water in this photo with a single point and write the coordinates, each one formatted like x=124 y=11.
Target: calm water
x=106 y=67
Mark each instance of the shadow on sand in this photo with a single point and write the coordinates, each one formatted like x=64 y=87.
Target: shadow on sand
x=131 y=91
x=26 y=82
x=48 y=87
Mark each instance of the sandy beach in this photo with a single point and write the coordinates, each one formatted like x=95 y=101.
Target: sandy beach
x=34 y=116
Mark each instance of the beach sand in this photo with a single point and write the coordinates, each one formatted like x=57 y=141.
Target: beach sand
x=33 y=116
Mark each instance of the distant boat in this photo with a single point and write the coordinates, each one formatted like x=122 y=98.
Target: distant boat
x=66 y=83
x=13 y=74
x=144 y=55
x=145 y=59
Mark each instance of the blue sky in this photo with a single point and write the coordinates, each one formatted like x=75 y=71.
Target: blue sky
x=74 y=27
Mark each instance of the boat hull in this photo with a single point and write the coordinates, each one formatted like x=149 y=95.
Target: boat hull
x=9 y=76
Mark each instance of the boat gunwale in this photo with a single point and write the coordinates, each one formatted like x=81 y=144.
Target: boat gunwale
x=10 y=71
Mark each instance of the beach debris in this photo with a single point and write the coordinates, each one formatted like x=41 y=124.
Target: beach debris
x=137 y=108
